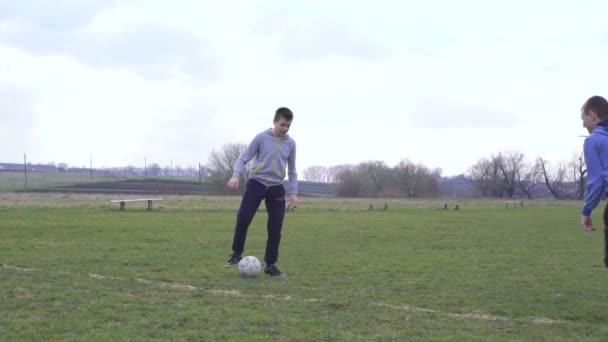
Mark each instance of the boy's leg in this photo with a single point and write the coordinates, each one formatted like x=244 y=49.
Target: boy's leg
x=254 y=193
x=275 y=206
x=606 y=236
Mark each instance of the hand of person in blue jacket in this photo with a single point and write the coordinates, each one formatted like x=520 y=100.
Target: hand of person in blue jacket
x=587 y=223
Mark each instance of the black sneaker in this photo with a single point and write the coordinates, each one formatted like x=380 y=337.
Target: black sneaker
x=234 y=260
x=274 y=271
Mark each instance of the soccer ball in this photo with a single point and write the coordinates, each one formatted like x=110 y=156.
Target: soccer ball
x=250 y=266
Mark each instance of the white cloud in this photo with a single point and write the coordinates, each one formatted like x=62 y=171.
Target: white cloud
x=437 y=82
x=441 y=113
x=54 y=15
x=154 y=50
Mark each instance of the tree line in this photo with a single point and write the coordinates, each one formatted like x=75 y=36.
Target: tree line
x=367 y=179
x=505 y=174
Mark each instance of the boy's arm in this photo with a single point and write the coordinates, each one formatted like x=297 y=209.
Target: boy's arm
x=595 y=181
x=246 y=156
x=292 y=174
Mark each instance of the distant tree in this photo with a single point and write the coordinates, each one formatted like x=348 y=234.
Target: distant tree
x=349 y=182
x=62 y=167
x=191 y=171
x=132 y=170
x=481 y=175
x=375 y=178
x=315 y=173
x=154 y=170
x=221 y=164
x=334 y=172
x=377 y=173
x=510 y=165
x=179 y=172
x=427 y=182
x=497 y=176
x=405 y=174
x=555 y=180
x=579 y=173
x=527 y=178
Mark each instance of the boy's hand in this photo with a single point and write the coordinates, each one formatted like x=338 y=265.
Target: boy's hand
x=233 y=183
x=587 y=223
x=293 y=199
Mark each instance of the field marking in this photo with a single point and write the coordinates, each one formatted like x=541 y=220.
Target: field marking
x=236 y=293
x=22 y=269
x=473 y=315
x=178 y=286
x=277 y=297
x=312 y=300
x=99 y=276
x=175 y=286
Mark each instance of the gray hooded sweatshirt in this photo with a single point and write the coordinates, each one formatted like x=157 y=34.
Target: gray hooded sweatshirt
x=273 y=157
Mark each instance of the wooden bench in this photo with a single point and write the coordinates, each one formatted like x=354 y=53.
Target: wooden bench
x=123 y=201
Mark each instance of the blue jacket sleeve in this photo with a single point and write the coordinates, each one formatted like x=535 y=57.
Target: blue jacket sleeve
x=595 y=181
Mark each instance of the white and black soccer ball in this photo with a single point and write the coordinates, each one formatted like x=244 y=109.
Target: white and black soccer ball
x=250 y=266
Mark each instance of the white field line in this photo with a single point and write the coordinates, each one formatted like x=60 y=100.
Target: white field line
x=472 y=315
x=236 y=293
x=22 y=269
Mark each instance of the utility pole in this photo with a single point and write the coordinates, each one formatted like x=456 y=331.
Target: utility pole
x=25 y=168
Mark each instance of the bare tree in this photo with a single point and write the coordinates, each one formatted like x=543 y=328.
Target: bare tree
x=426 y=182
x=333 y=172
x=480 y=173
x=497 y=175
x=510 y=165
x=496 y=178
x=527 y=178
x=348 y=181
x=579 y=173
x=378 y=172
x=154 y=169
x=416 y=180
x=221 y=164
x=554 y=181
x=405 y=173
x=315 y=173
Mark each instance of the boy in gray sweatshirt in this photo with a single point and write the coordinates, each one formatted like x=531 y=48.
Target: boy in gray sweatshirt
x=275 y=157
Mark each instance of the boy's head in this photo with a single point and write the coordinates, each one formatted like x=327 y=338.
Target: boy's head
x=283 y=112
x=593 y=111
x=282 y=121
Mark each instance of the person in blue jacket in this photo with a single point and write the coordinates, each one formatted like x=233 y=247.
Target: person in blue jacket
x=594 y=114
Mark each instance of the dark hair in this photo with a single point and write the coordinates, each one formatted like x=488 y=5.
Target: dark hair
x=283 y=112
x=598 y=105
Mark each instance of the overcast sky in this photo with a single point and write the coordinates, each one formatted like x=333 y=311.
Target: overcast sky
x=440 y=82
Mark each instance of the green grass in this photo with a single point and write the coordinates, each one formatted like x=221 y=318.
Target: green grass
x=77 y=268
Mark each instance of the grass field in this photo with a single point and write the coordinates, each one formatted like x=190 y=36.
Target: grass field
x=77 y=268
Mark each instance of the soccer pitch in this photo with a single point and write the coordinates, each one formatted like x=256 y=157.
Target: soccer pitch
x=77 y=268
